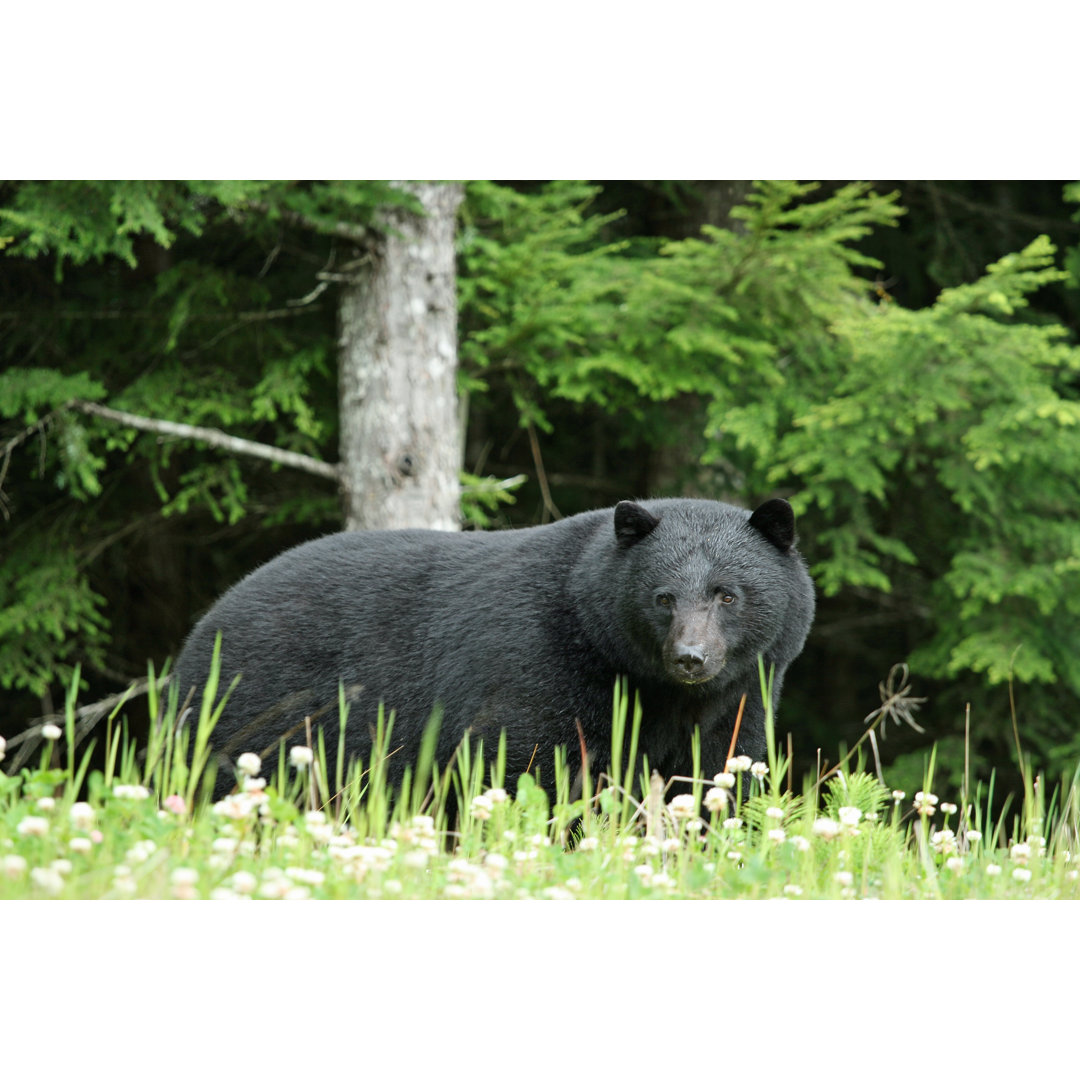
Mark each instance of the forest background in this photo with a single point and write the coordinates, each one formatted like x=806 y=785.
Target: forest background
x=897 y=358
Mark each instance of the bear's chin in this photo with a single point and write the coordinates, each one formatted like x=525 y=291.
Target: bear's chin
x=697 y=679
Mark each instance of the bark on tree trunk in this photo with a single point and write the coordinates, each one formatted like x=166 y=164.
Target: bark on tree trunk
x=401 y=443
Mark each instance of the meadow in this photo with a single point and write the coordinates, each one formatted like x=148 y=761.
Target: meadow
x=144 y=826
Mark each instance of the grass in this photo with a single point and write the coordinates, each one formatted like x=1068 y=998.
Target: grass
x=143 y=826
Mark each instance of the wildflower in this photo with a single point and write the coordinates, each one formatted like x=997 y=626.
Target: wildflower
x=32 y=826
x=140 y=851
x=670 y=845
x=135 y=792
x=249 y=764
x=3 y=745
x=800 y=843
x=724 y=780
x=14 y=866
x=739 y=764
x=47 y=879
x=758 y=770
x=775 y=812
x=682 y=806
x=588 y=843
x=955 y=864
x=974 y=835
x=1020 y=853
x=253 y=784
x=243 y=882
x=300 y=757
x=424 y=824
x=843 y=877
x=793 y=890
x=644 y=873
x=50 y=732
x=82 y=815
x=826 y=827
x=993 y=870
x=899 y=796
x=778 y=836
x=481 y=807
x=81 y=844
x=1021 y=874
x=732 y=823
x=948 y=808
x=715 y=800
x=943 y=841
x=849 y=815
x=496 y=795
x=175 y=804
x=496 y=863
x=925 y=803
x=46 y=804
x=305 y=875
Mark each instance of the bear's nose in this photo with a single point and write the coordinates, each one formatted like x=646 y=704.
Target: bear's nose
x=691 y=658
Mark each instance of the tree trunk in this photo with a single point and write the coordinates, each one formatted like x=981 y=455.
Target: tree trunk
x=401 y=443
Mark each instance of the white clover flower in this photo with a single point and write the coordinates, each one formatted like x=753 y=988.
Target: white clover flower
x=82 y=815
x=249 y=764
x=724 y=780
x=305 y=875
x=481 y=807
x=793 y=890
x=663 y=880
x=1021 y=874
x=732 y=823
x=775 y=812
x=844 y=877
x=32 y=826
x=954 y=863
x=800 y=843
x=778 y=836
x=715 y=800
x=50 y=732
x=925 y=803
x=588 y=843
x=496 y=863
x=3 y=746
x=899 y=796
x=46 y=804
x=993 y=870
x=47 y=880
x=849 y=815
x=974 y=835
x=669 y=846
x=300 y=757
x=135 y=792
x=758 y=770
x=184 y=875
x=1020 y=853
x=826 y=827
x=140 y=851
x=682 y=806
x=243 y=882
x=496 y=794
x=948 y=808
x=943 y=841
x=739 y=764
x=13 y=866
x=61 y=866
x=644 y=873
x=424 y=824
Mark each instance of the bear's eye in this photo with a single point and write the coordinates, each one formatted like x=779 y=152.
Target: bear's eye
x=723 y=596
x=665 y=600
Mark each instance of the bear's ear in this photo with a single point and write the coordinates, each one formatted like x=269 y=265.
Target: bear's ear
x=775 y=520
x=632 y=523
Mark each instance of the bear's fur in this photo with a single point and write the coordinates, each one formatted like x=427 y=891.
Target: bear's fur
x=524 y=630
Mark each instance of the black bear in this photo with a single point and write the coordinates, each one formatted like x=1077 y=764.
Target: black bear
x=523 y=630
